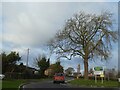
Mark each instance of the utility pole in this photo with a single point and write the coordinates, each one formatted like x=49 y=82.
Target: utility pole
x=27 y=57
x=78 y=69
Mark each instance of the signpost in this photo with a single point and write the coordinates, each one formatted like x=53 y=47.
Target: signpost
x=98 y=71
x=102 y=76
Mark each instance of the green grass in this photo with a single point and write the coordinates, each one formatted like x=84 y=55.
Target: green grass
x=16 y=83
x=12 y=83
x=89 y=83
x=0 y=84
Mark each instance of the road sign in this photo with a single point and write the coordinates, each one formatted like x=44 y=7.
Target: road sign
x=102 y=75
x=98 y=70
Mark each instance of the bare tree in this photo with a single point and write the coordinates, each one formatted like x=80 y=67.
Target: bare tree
x=87 y=36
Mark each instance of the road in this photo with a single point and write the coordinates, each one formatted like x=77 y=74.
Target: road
x=45 y=84
x=49 y=84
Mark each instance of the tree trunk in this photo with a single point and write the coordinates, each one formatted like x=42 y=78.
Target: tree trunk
x=86 y=68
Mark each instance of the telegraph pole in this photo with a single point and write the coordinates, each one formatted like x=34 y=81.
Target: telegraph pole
x=27 y=57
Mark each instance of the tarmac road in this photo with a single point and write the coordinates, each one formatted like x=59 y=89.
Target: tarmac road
x=45 y=84
x=49 y=84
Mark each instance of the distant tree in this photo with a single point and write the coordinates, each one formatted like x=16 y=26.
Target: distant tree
x=21 y=64
x=56 y=68
x=4 y=62
x=13 y=57
x=91 y=71
x=87 y=36
x=9 y=61
x=118 y=74
x=69 y=71
x=21 y=68
x=112 y=73
x=48 y=62
x=43 y=64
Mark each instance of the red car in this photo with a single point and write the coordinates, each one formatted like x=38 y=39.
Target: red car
x=59 y=78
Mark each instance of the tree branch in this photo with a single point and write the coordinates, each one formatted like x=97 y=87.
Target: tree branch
x=94 y=47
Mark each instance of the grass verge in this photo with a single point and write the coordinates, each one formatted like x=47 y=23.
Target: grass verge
x=12 y=83
x=15 y=83
x=91 y=83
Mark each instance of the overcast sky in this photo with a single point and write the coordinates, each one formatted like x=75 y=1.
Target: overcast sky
x=31 y=24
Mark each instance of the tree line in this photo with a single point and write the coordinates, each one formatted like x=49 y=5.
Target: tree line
x=10 y=66
x=9 y=61
x=44 y=64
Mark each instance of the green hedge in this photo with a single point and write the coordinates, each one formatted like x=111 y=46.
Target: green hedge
x=9 y=75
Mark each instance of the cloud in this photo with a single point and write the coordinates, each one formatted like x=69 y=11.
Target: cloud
x=60 y=1
x=31 y=24
x=35 y=23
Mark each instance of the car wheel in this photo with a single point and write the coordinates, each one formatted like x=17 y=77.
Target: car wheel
x=54 y=81
x=63 y=82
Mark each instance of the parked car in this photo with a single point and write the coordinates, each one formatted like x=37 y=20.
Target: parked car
x=2 y=76
x=59 y=78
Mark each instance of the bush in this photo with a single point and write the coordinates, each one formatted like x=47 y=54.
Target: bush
x=24 y=75
x=14 y=75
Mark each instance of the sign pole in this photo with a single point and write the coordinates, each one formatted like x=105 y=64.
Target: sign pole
x=102 y=80
x=95 y=79
x=102 y=76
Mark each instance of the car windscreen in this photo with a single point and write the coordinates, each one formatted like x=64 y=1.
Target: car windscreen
x=59 y=74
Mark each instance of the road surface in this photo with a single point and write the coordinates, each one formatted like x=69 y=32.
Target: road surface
x=45 y=84
x=49 y=84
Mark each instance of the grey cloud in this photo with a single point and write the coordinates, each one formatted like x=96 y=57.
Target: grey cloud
x=34 y=23
x=29 y=25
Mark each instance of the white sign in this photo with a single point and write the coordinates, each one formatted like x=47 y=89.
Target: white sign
x=98 y=70
x=118 y=79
